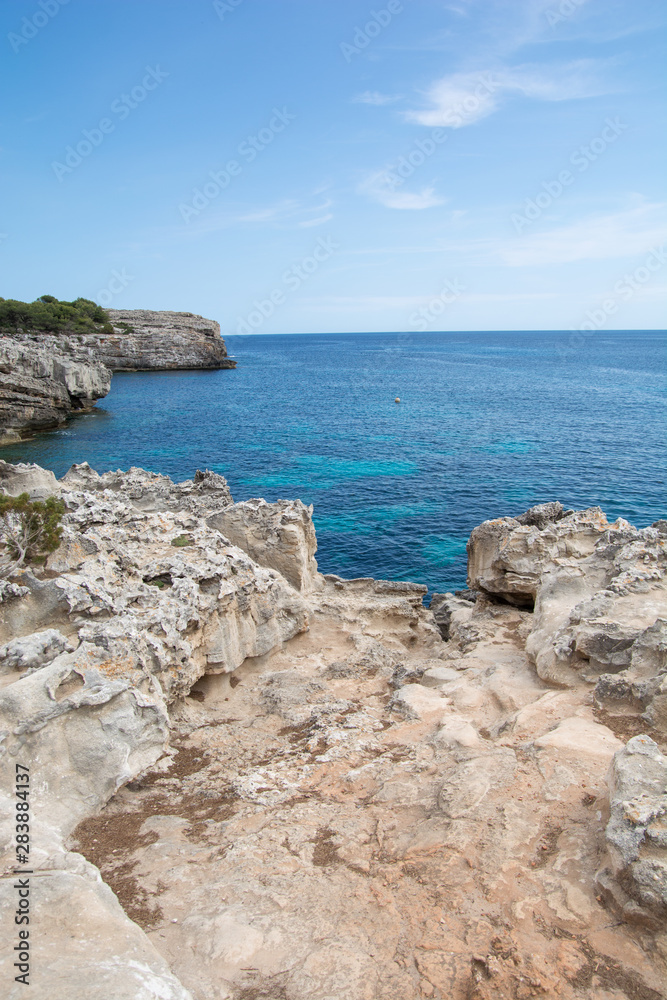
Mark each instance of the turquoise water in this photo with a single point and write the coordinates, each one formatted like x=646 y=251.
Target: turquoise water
x=488 y=424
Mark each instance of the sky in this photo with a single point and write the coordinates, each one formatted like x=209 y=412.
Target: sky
x=317 y=166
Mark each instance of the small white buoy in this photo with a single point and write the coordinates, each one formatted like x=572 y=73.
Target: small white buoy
x=398 y=399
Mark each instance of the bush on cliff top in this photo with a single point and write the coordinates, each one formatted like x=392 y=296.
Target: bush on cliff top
x=48 y=315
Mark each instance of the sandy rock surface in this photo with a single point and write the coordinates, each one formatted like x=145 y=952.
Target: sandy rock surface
x=295 y=789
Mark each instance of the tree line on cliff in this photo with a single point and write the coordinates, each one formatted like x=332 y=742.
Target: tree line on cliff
x=47 y=314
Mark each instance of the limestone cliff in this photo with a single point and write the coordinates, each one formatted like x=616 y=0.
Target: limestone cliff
x=145 y=340
x=296 y=789
x=163 y=340
x=44 y=378
x=40 y=386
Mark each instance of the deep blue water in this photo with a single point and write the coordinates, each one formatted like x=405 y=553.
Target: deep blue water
x=488 y=424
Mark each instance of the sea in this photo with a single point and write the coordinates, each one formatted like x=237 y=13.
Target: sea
x=488 y=424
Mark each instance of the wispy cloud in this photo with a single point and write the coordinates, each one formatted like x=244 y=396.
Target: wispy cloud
x=309 y=223
x=271 y=213
x=465 y=98
x=626 y=233
x=616 y=234
x=376 y=98
x=284 y=214
x=381 y=187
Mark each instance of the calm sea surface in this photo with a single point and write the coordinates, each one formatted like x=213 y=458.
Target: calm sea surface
x=488 y=424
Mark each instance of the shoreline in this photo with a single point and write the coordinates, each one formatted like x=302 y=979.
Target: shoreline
x=250 y=744
x=46 y=379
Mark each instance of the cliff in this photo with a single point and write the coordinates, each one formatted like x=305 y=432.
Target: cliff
x=157 y=341
x=163 y=340
x=40 y=386
x=293 y=787
x=45 y=378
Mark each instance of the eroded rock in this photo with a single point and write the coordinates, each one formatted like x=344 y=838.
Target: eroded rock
x=637 y=831
x=598 y=589
x=33 y=651
x=298 y=789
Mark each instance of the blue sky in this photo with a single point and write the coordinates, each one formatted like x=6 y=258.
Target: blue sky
x=293 y=166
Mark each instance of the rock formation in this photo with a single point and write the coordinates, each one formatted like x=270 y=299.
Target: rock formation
x=46 y=378
x=163 y=340
x=294 y=788
x=145 y=340
x=40 y=386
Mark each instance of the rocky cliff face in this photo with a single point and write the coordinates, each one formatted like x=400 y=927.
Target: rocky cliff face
x=40 y=386
x=296 y=789
x=44 y=378
x=163 y=340
x=157 y=341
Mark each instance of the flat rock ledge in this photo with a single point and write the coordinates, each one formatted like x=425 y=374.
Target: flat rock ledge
x=250 y=780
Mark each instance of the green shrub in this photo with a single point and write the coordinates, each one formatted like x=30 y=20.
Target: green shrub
x=181 y=541
x=48 y=315
x=29 y=530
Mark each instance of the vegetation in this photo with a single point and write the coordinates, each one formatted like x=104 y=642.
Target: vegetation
x=29 y=530
x=48 y=315
x=181 y=541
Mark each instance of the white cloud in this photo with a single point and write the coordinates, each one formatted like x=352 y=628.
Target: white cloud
x=617 y=234
x=381 y=187
x=465 y=98
x=458 y=99
x=566 y=82
x=375 y=97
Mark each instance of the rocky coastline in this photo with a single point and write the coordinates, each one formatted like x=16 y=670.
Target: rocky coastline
x=253 y=780
x=41 y=387
x=46 y=378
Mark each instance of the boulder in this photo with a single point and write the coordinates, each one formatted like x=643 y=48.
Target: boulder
x=28 y=478
x=598 y=591
x=279 y=535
